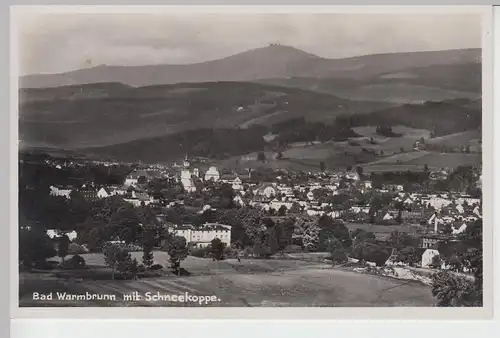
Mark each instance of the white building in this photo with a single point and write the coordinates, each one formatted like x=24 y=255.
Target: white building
x=266 y=191
x=237 y=184
x=60 y=191
x=427 y=257
x=437 y=202
x=201 y=237
x=56 y=233
x=212 y=174
x=276 y=204
x=186 y=177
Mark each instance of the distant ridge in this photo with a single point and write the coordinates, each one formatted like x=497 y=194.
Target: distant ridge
x=271 y=62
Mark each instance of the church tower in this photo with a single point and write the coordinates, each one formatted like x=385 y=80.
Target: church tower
x=186 y=179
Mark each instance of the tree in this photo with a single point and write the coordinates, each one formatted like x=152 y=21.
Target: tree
x=142 y=180
x=306 y=233
x=359 y=171
x=337 y=251
x=35 y=247
x=217 y=249
x=436 y=262
x=114 y=257
x=456 y=291
x=282 y=211
x=322 y=166
x=295 y=209
x=149 y=238
x=177 y=250
x=62 y=248
x=272 y=240
x=330 y=228
x=147 y=257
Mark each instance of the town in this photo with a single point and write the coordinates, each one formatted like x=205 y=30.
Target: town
x=429 y=220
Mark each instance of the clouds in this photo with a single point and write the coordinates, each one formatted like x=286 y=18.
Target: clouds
x=52 y=43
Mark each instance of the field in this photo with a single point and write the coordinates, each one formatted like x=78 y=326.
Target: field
x=383 y=231
x=448 y=160
x=416 y=161
x=457 y=140
x=269 y=283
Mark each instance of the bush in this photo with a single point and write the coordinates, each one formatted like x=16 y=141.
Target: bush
x=156 y=267
x=293 y=249
x=45 y=265
x=75 y=262
x=141 y=268
x=77 y=249
x=200 y=252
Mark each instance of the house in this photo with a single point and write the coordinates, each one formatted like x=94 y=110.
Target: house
x=139 y=198
x=239 y=200
x=61 y=191
x=89 y=192
x=237 y=184
x=104 y=193
x=212 y=174
x=351 y=175
x=266 y=190
x=187 y=177
x=276 y=204
x=430 y=242
x=56 y=233
x=428 y=256
x=133 y=178
x=203 y=236
x=461 y=229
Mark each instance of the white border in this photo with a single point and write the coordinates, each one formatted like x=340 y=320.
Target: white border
x=265 y=313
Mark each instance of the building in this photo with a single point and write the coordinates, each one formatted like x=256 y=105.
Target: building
x=212 y=174
x=266 y=190
x=88 y=192
x=187 y=177
x=430 y=242
x=139 y=198
x=203 y=236
x=61 y=191
x=56 y=233
x=428 y=256
x=104 y=193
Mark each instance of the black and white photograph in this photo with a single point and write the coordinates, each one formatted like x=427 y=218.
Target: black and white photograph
x=214 y=158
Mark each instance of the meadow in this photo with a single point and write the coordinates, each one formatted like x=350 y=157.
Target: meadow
x=249 y=283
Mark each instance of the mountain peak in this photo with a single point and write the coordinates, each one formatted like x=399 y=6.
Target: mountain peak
x=282 y=51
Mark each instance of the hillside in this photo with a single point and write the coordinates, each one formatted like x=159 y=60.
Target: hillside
x=326 y=141
x=105 y=114
x=412 y=85
x=275 y=61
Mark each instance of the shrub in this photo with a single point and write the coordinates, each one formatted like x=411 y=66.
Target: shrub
x=200 y=252
x=156 y=267
x=75 y=262
x=77 y=249
x=292 y=249
x=141 y=268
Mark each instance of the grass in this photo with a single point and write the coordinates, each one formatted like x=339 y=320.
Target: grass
x=447 y=160
x=383 y=231
x=457 y=140
x=250 y=283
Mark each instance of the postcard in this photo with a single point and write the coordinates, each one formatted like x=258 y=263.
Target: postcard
x=252 y=162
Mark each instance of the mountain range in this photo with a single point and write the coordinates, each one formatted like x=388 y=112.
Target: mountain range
x=269 y=62
x=109 y=109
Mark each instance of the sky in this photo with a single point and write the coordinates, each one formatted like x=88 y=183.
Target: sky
x=54 y=43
